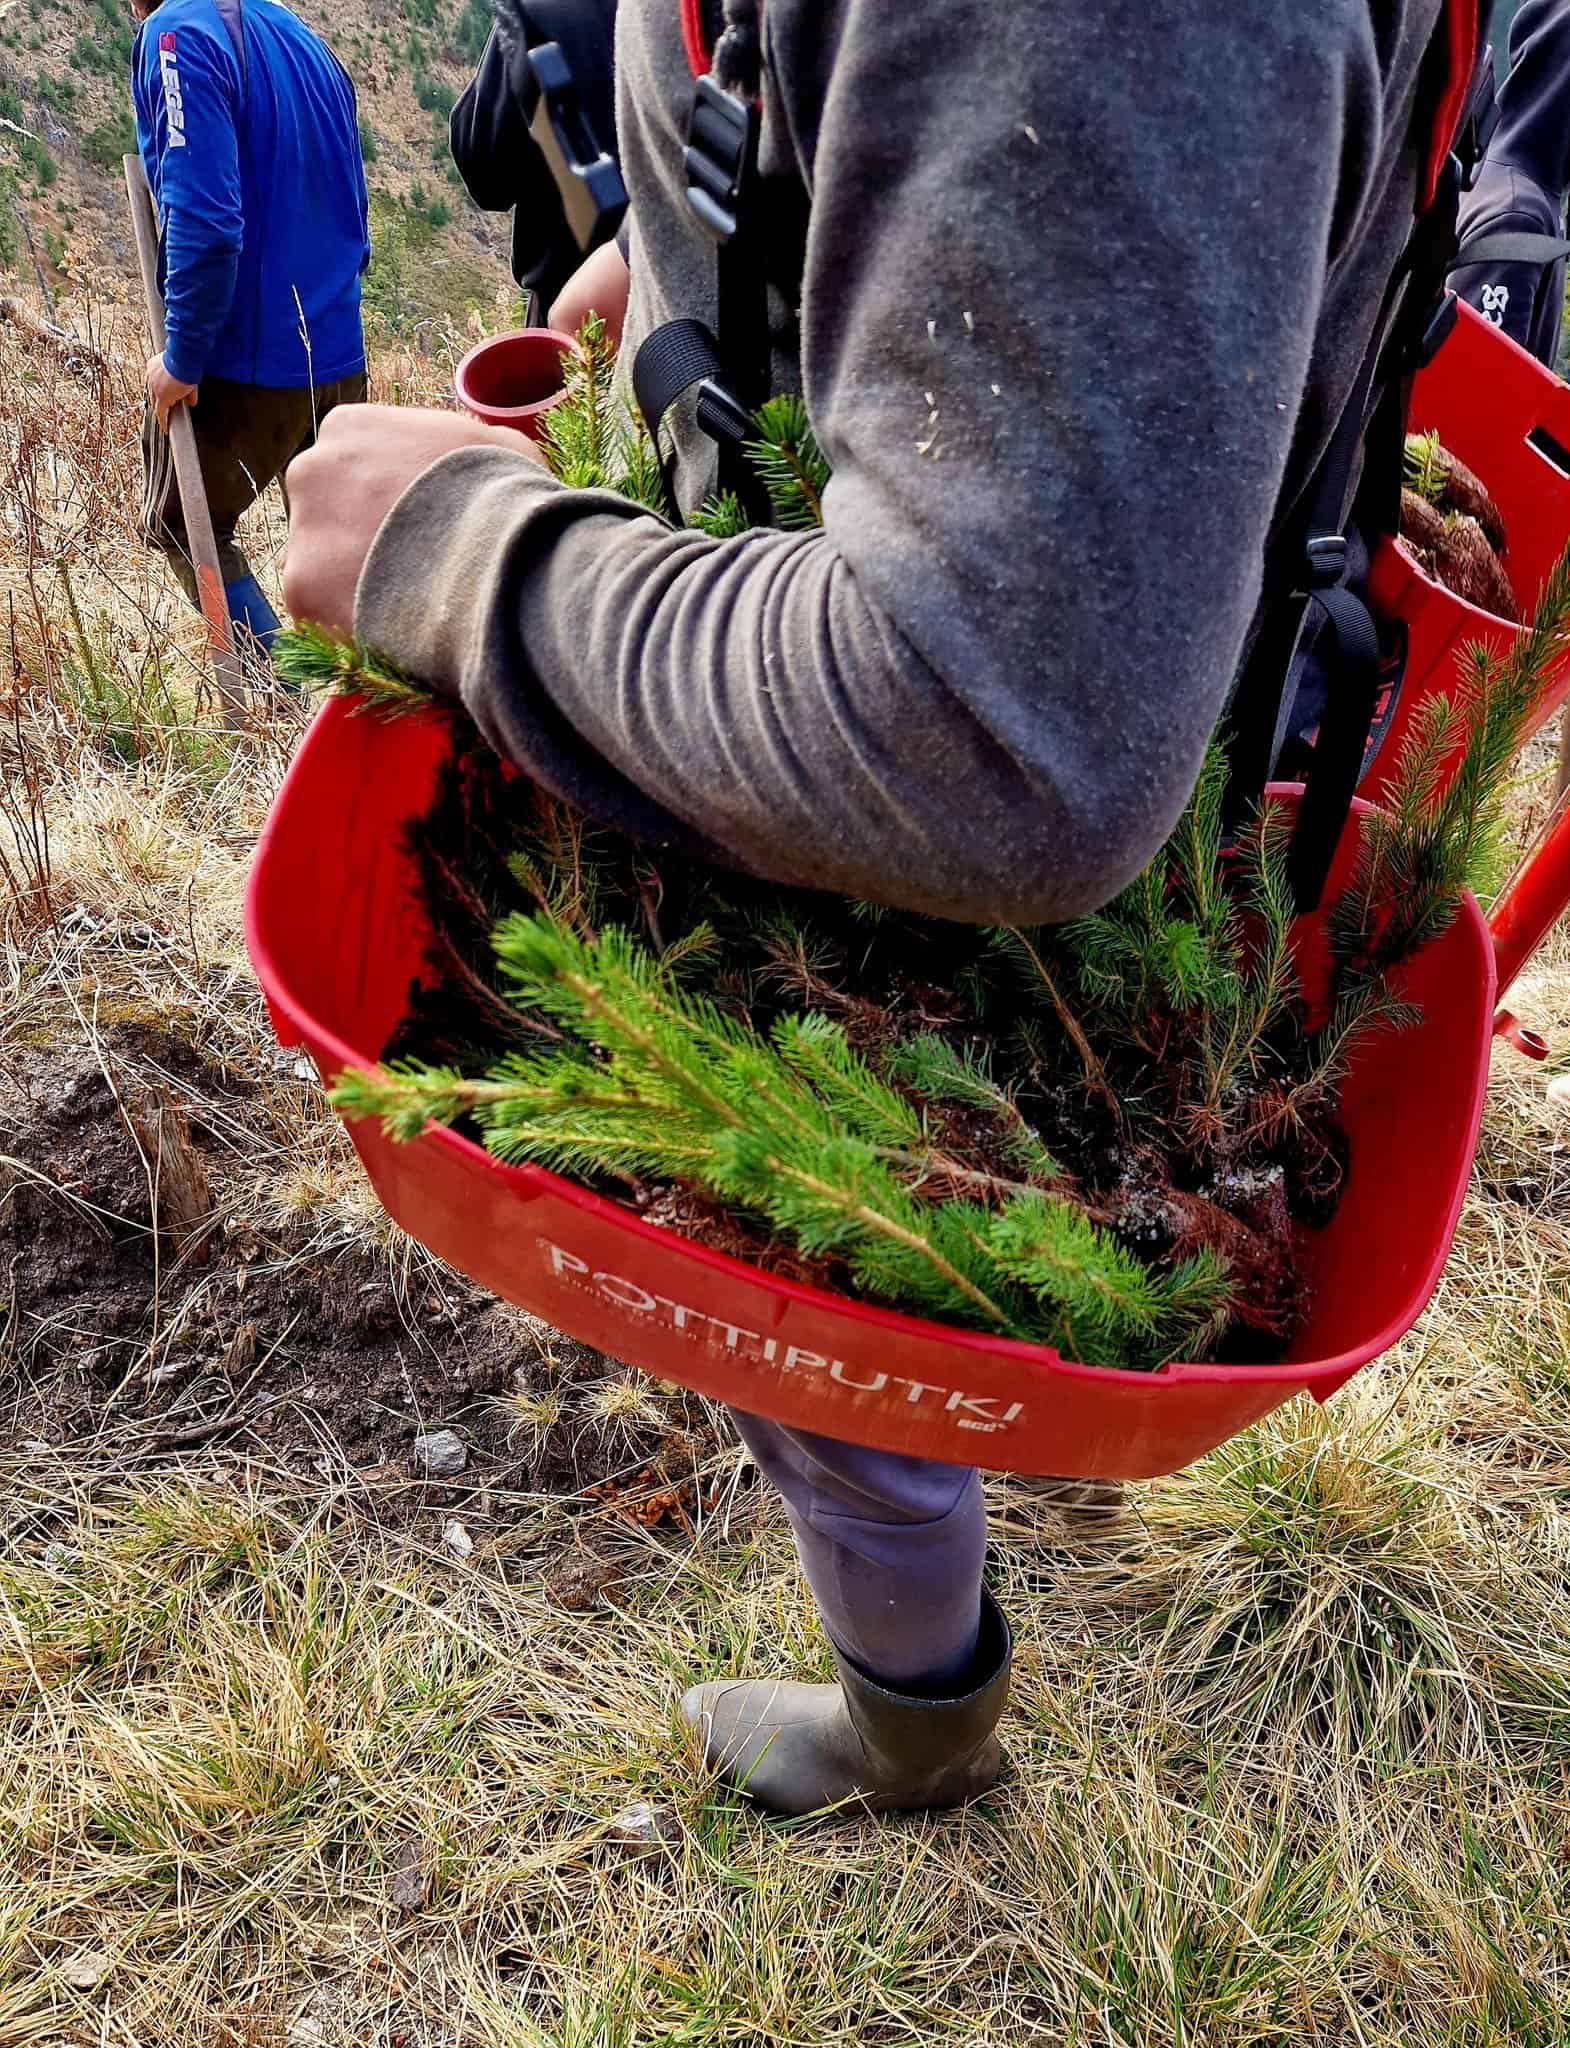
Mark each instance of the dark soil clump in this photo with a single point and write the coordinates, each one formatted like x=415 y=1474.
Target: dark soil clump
x=139 y=1336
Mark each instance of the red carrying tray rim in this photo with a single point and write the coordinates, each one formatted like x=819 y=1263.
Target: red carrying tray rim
x=1382 y=572
x=1321 y=1377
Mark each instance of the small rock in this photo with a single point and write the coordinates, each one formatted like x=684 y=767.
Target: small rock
x=60 y=1557
x=1559 y=1091
x=30 y=1447
x=88 y=1970
x=409 y=1881
x=641 y=1830
x=578 y=1582
x=440 y=1452
x=458 y=1540
x=305 y=2033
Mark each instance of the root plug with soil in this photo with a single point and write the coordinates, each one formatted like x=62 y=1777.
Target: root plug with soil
x=1454 y=530
x=1106 y=1137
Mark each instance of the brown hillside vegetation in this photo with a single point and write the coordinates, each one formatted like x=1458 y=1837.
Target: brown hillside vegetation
x=64 y=239
x=300 y=1744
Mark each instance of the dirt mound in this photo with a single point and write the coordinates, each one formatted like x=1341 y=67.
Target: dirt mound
x=143 y=1306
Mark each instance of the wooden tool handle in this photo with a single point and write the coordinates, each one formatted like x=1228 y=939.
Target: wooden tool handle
x=188 y=467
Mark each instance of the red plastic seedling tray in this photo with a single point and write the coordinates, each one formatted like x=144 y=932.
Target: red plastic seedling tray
x=1508 y=419
x=336 y=935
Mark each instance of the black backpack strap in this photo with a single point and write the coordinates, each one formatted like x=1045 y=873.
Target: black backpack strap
x=722 y=189
x=1305 y=566
x=1504 y=246
x=234 y=25
x=673 y=359
x=1303 y=571
x=731 y=368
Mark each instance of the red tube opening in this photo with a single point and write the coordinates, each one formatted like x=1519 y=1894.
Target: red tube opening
x=1530 y=1044
x=511 y=379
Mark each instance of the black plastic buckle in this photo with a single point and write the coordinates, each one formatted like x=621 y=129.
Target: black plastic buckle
x=1437 y=330
x=1325 y=556
x=721 y=144
x=722 y=416
x=582 y=153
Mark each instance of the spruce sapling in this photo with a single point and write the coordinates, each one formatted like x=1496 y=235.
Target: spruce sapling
x=1438 y=831
x=792 y=466
x=593 y=439
x=800 y=1131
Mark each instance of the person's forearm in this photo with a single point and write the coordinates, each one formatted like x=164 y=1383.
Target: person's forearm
x=197 y=183
x=747 y=696
x=198 y=294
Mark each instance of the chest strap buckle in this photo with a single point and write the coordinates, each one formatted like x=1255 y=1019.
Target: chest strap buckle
x=722 y=139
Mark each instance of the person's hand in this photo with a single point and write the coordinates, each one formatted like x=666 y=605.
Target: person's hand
x=341 y=490
x=164 y=392
x=599 y=285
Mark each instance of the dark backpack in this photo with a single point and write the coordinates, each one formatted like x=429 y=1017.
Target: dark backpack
x=535 y=131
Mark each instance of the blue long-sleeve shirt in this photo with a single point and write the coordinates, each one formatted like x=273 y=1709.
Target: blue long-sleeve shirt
x=260 y=191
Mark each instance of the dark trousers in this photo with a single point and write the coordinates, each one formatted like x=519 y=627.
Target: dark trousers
x=246 y=435
x=892 y=1548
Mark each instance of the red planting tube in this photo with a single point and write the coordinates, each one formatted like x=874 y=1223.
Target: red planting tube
x=1531 y=903
x=513 y=380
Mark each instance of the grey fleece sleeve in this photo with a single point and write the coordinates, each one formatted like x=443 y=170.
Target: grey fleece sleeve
x=1057 y=322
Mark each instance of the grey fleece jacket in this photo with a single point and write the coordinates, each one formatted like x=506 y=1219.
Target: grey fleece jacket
x=1084 y=290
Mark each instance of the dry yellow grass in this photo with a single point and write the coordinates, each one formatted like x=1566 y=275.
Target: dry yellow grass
x=1290 y=1738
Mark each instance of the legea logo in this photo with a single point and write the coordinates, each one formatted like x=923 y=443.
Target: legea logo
x=174 y=102
x=968 y=1411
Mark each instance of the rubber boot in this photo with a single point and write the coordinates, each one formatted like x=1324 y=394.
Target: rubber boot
x=248 y=608
x=798 y=1748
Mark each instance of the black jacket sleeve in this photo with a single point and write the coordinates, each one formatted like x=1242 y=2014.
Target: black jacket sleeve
x=1523 y=185
x=489 y=135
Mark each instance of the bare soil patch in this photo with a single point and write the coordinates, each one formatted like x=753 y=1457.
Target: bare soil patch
x=147 y=1307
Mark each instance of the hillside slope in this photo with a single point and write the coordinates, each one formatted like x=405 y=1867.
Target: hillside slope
x=64 y=239
x=309 y=1742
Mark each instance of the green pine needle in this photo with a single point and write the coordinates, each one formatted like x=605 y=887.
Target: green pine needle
x=322 y=663
x=1425 y=469
x=793 y=467
x=722 y=517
